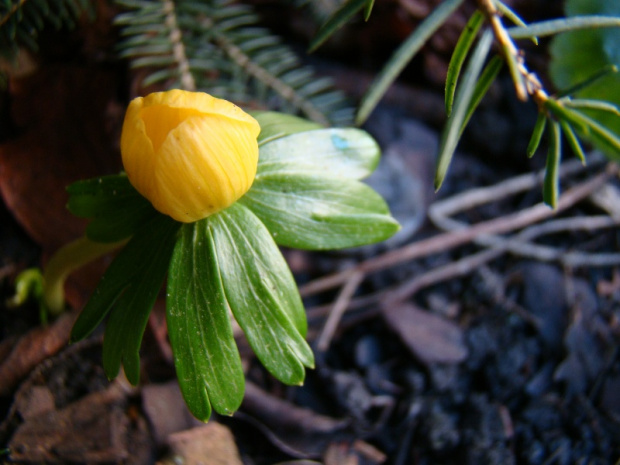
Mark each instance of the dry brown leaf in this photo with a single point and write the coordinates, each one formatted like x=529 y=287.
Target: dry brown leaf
x=431 y=338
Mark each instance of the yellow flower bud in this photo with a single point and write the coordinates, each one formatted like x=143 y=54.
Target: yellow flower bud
x=189 y=153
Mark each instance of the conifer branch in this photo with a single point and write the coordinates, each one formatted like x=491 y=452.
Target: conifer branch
x=284 y=90
x=178 y=49
x=216 y=46
x=11 y=12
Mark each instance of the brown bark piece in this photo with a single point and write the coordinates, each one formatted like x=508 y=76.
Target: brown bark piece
x=166 y=411
x=35 y=401
x=92 y=430
x=34 y=347
x=211 y=444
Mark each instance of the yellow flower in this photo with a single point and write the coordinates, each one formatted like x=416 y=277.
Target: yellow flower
x=189 y=153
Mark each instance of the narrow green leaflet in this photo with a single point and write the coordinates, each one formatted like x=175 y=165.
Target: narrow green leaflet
x=205 y=354
x=537 y=133
x=274 y=125
x=587 y=127
x=346 y=153
x=454 y=125
x=586 y=62
x=592 y=104
x=114 y=205
x=467 y=38
x=512 y=16
x=551 y=186
x=573 y=142
x=262 y=293
x=307 y=212
x=130 y=313
x=557 y=26
x=403 y=55
x=337 y=20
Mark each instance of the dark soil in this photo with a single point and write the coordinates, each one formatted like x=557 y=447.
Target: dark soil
x=515 y=361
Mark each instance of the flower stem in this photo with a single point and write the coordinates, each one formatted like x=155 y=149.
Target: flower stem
x=66 y=260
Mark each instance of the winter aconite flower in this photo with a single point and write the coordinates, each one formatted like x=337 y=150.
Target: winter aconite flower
x=189 y=153
x=193 y=156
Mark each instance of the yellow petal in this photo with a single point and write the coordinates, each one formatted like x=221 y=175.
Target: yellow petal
x=217 y=166
x=189 y=153
x=137 y=149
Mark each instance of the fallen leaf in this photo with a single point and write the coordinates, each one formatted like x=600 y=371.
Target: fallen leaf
x=431 y=338
x=66 y=122
x=92 y=429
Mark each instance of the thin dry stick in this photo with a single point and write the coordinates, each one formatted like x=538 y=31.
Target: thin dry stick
x=521 y=246
x=341 y=304
x=473 y=262
x=572 y=259
x=446 y=241
x=439 y=274
x=468 y=264
x=481 y=195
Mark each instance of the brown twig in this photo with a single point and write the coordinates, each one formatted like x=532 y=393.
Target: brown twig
x=446 y=241
x=341 y=304
x=521 y=245
x=442 y=273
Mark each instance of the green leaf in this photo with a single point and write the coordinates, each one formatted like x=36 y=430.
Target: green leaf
x=113 y=204
x=262 y=293
x=403 y=55
x=274 y=125
x=467 y=38
x=577 y=56
x=130 y=312
x=551 y=186
x=336 y=21
x=537 y=133
x=308 y=212
x=205 y=354
x=573 y=142
x=347 y=153
x=130 y=284
x=452 y=130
